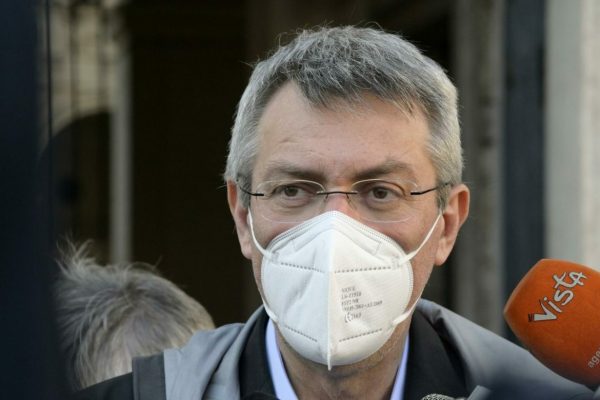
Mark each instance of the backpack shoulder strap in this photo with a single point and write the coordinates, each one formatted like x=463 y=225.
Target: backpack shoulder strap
x=149 y=378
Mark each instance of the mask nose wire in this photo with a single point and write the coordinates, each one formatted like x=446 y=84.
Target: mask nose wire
x=408 y=257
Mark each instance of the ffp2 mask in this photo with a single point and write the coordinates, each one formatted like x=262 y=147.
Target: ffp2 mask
x=336 y=288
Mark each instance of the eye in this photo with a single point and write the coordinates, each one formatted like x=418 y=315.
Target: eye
x=380 y=193
x=289 y=190
x=293 y=192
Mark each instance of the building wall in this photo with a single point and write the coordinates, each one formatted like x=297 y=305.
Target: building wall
x=144 y=94
x=573 y=139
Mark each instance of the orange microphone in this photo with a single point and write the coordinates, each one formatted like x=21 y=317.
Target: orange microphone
x=555 y=312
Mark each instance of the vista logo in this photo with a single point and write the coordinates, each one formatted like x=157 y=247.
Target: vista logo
x=562 y=296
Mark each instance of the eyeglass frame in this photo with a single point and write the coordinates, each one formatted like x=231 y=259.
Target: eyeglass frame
x=326 y=193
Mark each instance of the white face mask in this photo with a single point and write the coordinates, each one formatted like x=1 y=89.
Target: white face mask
x=336 y=288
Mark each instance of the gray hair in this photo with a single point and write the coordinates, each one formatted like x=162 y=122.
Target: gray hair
x=345 y=63
x=109 y=314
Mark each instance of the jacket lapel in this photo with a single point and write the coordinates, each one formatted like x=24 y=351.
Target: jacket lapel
x=433 y=365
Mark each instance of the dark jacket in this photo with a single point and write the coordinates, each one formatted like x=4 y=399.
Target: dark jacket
x=448 y=355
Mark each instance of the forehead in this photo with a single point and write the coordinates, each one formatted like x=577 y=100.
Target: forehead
x=344 y=142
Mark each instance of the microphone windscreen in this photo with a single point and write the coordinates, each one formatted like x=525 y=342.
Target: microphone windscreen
x=435 y=396
x=554 y=311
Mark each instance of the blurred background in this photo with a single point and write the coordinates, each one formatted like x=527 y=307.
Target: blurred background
x=129 y=106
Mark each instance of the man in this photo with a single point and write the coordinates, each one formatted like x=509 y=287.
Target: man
x=344 y=181
x=108 y=314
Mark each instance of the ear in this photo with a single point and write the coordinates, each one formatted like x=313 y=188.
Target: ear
x=240 y=214
x=454 y=215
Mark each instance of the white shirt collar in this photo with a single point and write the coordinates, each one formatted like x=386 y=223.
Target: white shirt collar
x=281 y=382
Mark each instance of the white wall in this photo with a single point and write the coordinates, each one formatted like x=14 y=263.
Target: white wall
x=573 y=131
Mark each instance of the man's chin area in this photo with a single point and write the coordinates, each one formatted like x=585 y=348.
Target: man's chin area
x=389 y=353
x=341 y=372
x=345 y=371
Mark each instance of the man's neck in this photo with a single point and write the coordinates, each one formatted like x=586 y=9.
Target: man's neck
x=372 y=378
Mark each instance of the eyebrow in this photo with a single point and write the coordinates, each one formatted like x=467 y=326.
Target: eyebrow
x=389 y=167
x=285 y=170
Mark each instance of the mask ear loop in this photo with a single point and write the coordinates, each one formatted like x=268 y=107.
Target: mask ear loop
x=409 y=257
x=265 y=254
x=413 y=253
x=263 y=251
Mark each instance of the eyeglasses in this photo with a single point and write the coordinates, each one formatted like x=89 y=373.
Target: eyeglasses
x=375 y=200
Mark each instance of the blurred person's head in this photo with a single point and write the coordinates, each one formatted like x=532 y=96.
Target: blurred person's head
x=109 y=314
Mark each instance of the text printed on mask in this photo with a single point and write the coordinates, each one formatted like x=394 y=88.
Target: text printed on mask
x=352 y=305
